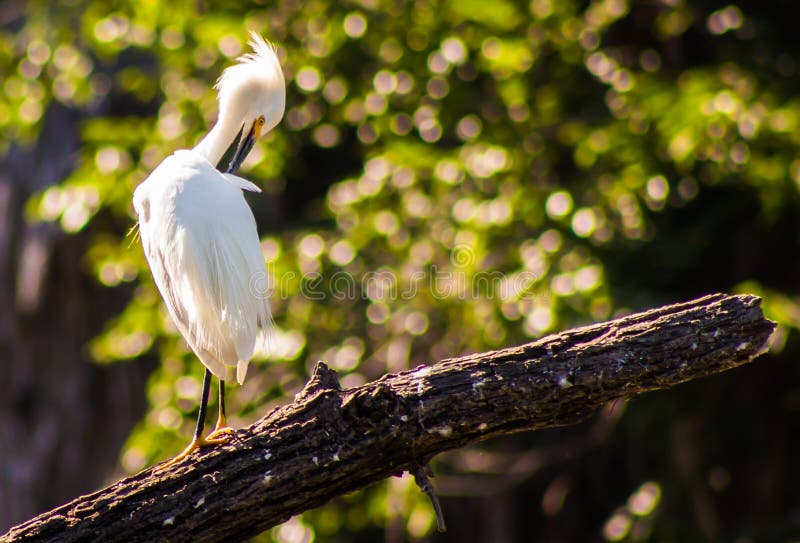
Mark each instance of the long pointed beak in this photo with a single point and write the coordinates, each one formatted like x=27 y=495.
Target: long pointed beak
x=244 y=148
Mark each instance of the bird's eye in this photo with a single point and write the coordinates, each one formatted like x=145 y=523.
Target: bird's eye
x=260 y=121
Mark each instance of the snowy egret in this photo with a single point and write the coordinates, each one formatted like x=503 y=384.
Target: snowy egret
x=199 y=234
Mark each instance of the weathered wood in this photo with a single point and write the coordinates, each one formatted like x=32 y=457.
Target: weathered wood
x=328 y=442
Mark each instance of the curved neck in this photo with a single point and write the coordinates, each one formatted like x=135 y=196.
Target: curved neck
x=220 y=137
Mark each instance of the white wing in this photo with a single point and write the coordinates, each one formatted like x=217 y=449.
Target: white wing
x=200 y=239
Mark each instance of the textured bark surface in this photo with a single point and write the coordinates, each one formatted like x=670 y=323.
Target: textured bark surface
x=328 y=442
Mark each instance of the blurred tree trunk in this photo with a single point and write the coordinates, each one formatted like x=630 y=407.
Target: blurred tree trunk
x=62 y=418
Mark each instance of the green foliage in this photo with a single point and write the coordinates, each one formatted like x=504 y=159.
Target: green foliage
x=493 y=157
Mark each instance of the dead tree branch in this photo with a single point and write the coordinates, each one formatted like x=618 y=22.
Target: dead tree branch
x=328 y=442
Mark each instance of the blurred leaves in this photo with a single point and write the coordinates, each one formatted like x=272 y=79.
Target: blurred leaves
x=489 y=158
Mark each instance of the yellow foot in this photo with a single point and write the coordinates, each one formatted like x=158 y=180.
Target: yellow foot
x=222 y=433
x=193 y=446
x=222 y=429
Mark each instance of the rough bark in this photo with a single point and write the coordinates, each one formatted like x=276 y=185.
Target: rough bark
x=328 y=442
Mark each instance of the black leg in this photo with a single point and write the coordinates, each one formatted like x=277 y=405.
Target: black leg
x=222 y=423
x=199 y=440
x=201 y=416
x=222 y=399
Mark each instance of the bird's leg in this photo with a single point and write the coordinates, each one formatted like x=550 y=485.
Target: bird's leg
x=198 y=440
x=222 y=422
x=222 y=428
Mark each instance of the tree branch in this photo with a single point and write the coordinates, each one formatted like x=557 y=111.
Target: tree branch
x=328 y=442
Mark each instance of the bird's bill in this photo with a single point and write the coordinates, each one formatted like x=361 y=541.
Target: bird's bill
x=244 y=148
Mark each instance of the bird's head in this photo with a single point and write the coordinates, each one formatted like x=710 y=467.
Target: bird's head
x=253 y=91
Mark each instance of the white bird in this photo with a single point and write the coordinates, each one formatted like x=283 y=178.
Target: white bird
x=199 y=234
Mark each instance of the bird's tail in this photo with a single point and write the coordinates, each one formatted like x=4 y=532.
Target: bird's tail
x=241 y=371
